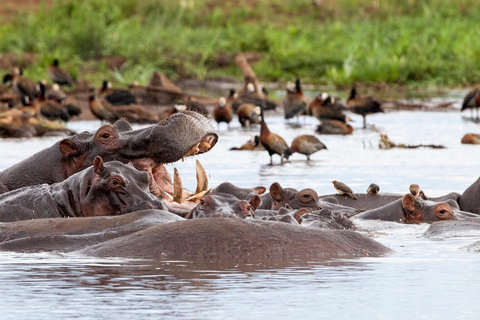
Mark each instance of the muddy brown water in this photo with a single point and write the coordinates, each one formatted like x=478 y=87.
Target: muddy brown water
x=423 y=279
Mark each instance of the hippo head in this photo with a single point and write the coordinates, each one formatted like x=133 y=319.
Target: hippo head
x=181 y=135
x=417 y=210
x=116 y=188
x=224 y=205
x=306 y=198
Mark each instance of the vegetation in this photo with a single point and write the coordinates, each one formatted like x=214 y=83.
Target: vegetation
x=338 y=42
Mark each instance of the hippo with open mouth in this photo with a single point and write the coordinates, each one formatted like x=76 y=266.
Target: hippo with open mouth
x=181 y=135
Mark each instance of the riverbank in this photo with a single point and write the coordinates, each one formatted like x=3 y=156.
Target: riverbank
x=425 y=44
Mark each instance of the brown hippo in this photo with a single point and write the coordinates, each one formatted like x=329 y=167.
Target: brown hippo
x=221 y=238
x=183 y=134
x=411 y=209
x=240 y=193
x=224 y=205
x=106 y=189
x=453 y=229
x=279 y=197
x=155 y=234
x=67 y=235
x=470 y=199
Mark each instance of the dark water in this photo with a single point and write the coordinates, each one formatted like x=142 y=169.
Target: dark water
x=424 y=279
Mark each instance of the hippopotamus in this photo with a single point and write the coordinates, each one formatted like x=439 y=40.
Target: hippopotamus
x=453 y=229
x=104 y=189
x=470 y=198
x=225 y=205
x=183 y=134
x=411 y=209
x=155 y=234
x=279 y=197
x=240 y=193
x=223 y=238
x=66 y=235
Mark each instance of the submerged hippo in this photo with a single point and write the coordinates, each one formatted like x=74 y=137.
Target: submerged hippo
x=106 y=189
x=279 y=197
x=224 y=205
x=154 y=234
x=221 y=238
x=183 y=134
x=411 y=209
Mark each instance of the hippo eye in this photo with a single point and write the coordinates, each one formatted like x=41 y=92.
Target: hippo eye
x=116 y=182
x=106 y=135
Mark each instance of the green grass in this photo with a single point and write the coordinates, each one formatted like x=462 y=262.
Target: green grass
x=409 y=42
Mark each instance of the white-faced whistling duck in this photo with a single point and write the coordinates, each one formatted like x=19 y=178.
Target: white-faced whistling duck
x=223 y=112
x=306 y=144
x=272 y=142
x=59 y=75
x=472 y=101
x=294 y=103
x=363 y=105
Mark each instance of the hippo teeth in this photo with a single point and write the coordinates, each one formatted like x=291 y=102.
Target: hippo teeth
x=205 y=145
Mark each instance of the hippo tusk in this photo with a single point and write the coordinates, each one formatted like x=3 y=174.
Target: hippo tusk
x=202 y=179
x=177 y=187
x=196 y=196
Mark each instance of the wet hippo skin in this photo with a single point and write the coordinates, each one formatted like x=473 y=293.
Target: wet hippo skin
x=106 y=189
x=183 y=134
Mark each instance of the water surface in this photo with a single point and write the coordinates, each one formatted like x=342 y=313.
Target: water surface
x=424 y=279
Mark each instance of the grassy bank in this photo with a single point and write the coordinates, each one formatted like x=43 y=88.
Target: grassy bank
x=409 y=42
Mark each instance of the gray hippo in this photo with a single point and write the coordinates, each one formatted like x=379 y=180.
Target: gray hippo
x=106 y=189
x=224 y=205
x=155 y=234
x=223 y=238
x=183 y=134
x=411 y=209
x=279 y=197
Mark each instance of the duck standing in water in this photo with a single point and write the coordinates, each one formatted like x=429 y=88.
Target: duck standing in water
x=363 y=105
x=272 y=142
x=306 y=144
x=294 y=103
x=223 y=112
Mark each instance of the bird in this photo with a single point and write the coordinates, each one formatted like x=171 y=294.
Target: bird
x=294 y=103
x=414 y=188
x=323 y=106
x=98 y=109
x=50 y=108
x=343 y=189
x=363 y=105
x=373 y=189
x=116 y=96
x=252 y=144
x=189 y=105
x=306 y=144
x=59 y=75
x=21 y=85
x=272 y=142
x=334 y=127
x=248 y=114
x=223 y=112
x=471 y=101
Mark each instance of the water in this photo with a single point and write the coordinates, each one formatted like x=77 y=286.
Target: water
x=424 y=279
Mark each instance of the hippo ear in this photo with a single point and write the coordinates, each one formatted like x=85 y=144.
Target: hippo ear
x=255 y=202
x=408 y=202
x=276 y=191
x=259 y=190
x=98 y=165
x=69 y=148
x=122 y=126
